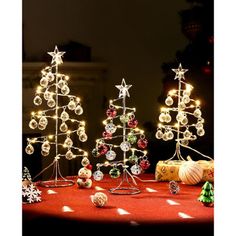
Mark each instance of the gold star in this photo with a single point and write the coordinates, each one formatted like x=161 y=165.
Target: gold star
x=123 y=89
x=180 y=72
x=56 y=56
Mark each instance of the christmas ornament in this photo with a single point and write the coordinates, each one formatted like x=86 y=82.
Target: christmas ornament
x=99 y=199
x=142 y=143
x=85 y=161
x=98 y=175
x=54 y=89
x=78 y=110
x=182 y=131
x=174 y=187
x=83 y=137
x=111 y=112
x=30 y=194
x=26 y=175
x=121 y=119
x=110 y=155
x=207 y=195
x=190 y=172
x=136 y=169
x=114 y=173
x=144 y=164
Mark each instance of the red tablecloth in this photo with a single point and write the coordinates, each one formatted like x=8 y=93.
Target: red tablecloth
x=152 y=211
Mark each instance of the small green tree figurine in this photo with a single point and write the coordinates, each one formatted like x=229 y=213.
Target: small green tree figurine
x=207 y=195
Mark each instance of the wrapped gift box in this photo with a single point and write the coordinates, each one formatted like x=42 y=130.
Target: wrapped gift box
x=169 y=170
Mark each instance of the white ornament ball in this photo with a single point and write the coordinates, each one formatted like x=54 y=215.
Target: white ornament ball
x=190 y=172
x=110 y=128
x=169 y=101
x=168 y=118
x=37 y=100
x=159 y=134
x=162 y=117
x=83 y=137
x=98 y=175
x=200 y=132
x=99 y=199
x=125 y=146
x=136 y=169
x=110 y=155
x=197 y=113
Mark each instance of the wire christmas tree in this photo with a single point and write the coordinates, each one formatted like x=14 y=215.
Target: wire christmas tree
x=128 y=132
x=187 y=110
x=54 y=90
x=207 y=194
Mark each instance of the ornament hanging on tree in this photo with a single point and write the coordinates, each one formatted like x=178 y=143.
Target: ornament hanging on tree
x=127 y=132
x=54 y=89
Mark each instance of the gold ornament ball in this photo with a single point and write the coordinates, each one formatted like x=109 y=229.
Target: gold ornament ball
x=190 y=172
x=99 y=199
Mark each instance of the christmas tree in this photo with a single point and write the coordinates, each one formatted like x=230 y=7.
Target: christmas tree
x=188 y=116
x=127 y=132
x=207 y=194
x=26 y=174
x=55 y=91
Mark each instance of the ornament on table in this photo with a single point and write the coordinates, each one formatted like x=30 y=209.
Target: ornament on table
x=190 y=172
x=59 y=103
x=30 y=193
x=26 y=174
x=127 y=132
x=179 y=103
x=99 y=199
x=84 y=174
x=207 y=195
x=174 y=187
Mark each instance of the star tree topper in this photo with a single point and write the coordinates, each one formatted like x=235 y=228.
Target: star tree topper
x=56 y=56
x=180 y=72
x=123 y=89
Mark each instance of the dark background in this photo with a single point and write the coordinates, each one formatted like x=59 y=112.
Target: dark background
x=140 y=40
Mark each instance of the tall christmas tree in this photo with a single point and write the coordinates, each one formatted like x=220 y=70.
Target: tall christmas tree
x=127 y=133
x=188 y=116
x=55 y=91
x=207 y=194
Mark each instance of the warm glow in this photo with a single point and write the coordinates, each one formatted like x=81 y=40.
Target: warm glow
x=72 y=120
x=104 y=122
x=119 y=126
x=176 y=125
x=50 y=136
x=197 y=102
x=145 y=152
x=78 y=99
x=189 y=87
x=134 y=109
x=141 y=132
x=32 y=113
x=55 y=117
x=67 y=77
x=111 y=101
x=82 y=122
x=163 y=109
x=40 y=112
x=85 y=154
x=172 y=92
x=136 y=129
x=64 y=145
x=39 y=89
x=159 y=125
x=68 y=132
x=106 y=163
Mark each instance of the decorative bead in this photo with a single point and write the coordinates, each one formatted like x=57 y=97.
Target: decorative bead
x=185 y=142
x=131 y=138
x=44 y=82
x=133 y=123
x=111 y=112
x=136 y=169
x=124 y=118
x=107 y=135
x=186 y=93
x=68 y=142
x=165 y=136
x=37 y=100
x=44 y=153
x=61 y=83
x=184 y=121
x=162 y=117
x=186 y=99
x=142 y=143
x=182 y=105
x=98 y=175
x=114 y=172
x=133 y=159
x=83 y=137
x=168 y=118
x=159 y=134
x=33 y=124
x=51 y=102
x=41 y=127
x=43 y=120
x=29 y=149
x=50 y=76
x=78 y=110
x=169 y=101
x=174 y=187
x=46 y=146
x=187 y=133
x=110 y=128
x=125 y=146
x=197 y=113
x=170 y=135
x=99 y=199
x=200 y=132
x=110 y=155
x=65 y=90
x=85 y=161
x=199 y=125
x=144 y=164
x=65 y=116
x=47 y=95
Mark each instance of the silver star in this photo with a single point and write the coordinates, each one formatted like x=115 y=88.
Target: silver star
x=123 y=89
x=180 y=72
x=56 y=56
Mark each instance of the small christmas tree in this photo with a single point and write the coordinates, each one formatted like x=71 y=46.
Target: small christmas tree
x=26 y=174
x=187 y=110
x=128 y=132
x=207 y=194
x=54 y=90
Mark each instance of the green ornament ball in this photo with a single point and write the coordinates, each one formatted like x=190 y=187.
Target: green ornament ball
x=114 y=173
x=133 y=159
x=124 y=118
x=131 y=138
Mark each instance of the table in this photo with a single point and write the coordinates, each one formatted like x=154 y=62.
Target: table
x=155 y=211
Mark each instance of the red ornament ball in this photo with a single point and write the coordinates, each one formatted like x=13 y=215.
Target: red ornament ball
x=142 y=143
x=107 y=135
x=102 y=149
x=133 y=123
x=89 y=166
x=111 y=112
x=144 y=164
